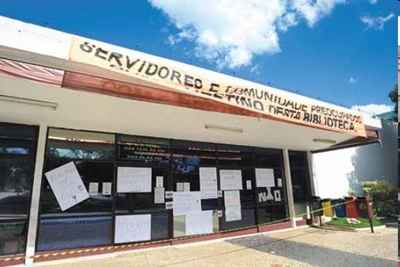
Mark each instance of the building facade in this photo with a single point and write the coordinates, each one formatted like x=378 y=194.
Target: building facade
x=108 y=148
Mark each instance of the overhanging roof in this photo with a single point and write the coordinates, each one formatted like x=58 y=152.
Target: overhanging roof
x=46 y=47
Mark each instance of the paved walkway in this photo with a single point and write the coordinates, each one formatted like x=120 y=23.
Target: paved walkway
x=301 y=247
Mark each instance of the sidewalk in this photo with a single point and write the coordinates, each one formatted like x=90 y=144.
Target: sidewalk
x=301 y=247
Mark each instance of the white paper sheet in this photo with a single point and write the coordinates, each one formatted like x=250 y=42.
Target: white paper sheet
x=186 y=202
x=93 y=188
x=199 y=222
x=233 y=213
x=277 y=196
x=133 y=180
x=159 y=195
x=159 y=181
x=231 y=179
x=106 y=190
x=169 y=194
x=248 y=185
x=265 y=178
x=208 y=182
x=67 y=185
x=132 y=228
x=232 y=198
x=186 y=187
x=179 y=187
x=169 y=205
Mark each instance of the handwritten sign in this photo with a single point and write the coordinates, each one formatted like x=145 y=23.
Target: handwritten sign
x=246 y=95
x=67 y=185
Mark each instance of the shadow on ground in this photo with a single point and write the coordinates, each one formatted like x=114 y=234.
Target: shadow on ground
x=310 y=254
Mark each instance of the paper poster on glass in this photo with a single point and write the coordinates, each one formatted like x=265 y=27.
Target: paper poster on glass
x=186 y=202
x=265 y=178
x=277 y=195
x=67 y=185
x=133 y=180
x=232 y=198
x=107 y=188
x=159 y=181
x=231 y=179
x=132 y=228
x=208 y=182
x=159 y=195
x=93 y=188
x=233 y=213
x=199 y=222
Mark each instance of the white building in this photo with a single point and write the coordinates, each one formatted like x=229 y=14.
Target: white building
x=151 y=150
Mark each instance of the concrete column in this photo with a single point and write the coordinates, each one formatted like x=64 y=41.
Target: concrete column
x=37 y=181
x=289 y=188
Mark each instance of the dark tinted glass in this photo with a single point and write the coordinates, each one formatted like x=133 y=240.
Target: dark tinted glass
x=89 y=223
x=271 y=211
x=145 y=152
x=17 y=160
x=239 y=158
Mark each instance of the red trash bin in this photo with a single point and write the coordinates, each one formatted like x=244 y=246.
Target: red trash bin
x=351 y=207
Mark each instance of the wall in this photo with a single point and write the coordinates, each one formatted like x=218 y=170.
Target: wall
x=337 y=172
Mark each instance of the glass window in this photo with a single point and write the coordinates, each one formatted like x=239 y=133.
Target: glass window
x=17 y=160
x=154 y=154
x=93 y=155
x=270 y=210
x=240 y=159
x=187 y=159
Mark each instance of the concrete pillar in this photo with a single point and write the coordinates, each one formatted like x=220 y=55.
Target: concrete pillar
x=289 y=188
x=36 y=188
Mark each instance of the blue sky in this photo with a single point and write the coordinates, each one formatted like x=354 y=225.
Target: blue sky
x=338 y=51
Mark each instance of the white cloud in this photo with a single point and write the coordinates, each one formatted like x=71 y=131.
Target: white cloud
x=373 y=2
x=353 y=80
x=376 y=23
x=373 y=109
x=230 y=33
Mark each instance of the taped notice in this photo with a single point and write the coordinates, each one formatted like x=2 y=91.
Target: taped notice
x=186 y=202
x=186 y=187
x=279 y=180
x=233 y=213
x=179 y=187
x=93 y=188
x=106 y=188
x=231 y=179
x=67 y=185
x=159 y=195
x=265 y=178
x=169 y=194
x=208 y=182
x=231 y=198
x=132 y=228
x=199 y=222
x=133 y=180
x=248 y=185
x=169 y=205
x=159 y=181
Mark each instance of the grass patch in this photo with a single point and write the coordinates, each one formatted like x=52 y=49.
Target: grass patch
x=364 y=223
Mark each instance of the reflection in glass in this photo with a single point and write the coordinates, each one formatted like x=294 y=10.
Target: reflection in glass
x=17 y=144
